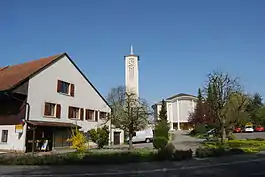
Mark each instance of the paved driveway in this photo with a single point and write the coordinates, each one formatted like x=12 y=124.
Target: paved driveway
x=181 y=141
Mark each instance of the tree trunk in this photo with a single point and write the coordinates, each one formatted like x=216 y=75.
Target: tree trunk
x=130 y=142
x=223 y=136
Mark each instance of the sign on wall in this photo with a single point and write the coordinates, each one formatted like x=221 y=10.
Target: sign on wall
x=19 y=128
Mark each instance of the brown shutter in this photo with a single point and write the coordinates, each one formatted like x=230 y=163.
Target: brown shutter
x=87 y=114
x=58 y=111
x=81 y=114
x=72 y=90
x=46 y=109
x=59 y=85
x=70 y=112
x=96 y=116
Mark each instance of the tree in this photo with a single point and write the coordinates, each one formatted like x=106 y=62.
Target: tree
x=100 y=136
x=161 y=135
x=220 y=89
x=236 y=114
x=253 y=108
x=260 y=116
x=129 y=112
x=198 y=116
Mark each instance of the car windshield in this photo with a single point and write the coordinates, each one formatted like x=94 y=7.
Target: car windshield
x=248 y=127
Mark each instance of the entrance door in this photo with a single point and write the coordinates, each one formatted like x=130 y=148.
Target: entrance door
x=117 y=139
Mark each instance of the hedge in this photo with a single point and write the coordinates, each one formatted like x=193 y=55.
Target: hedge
x=92 y=158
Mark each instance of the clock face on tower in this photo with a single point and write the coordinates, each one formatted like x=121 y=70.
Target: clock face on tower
x=131 y=63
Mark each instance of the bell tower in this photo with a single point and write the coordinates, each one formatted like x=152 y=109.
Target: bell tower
x=132 y=73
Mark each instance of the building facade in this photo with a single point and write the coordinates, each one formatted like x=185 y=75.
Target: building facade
x=132 y=73
x=179 y=108
x=52 y=96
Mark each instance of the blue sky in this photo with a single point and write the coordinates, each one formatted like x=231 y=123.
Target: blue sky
x=179 y=42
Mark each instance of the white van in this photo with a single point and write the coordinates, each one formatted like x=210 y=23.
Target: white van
x=142 y=136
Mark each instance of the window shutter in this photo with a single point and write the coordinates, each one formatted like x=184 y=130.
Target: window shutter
x=59 y=85
x=96 y=116
x=70 y=112
x=81 y=114
x=87 y=115
x=58 y=110
x=72 y=90
x=46 y=109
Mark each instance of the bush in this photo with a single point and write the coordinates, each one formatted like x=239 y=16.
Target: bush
x=200 y=129
x=160 y=143
x=182 y=155
x=100 y=136
x=166 y=152
x=78 y=140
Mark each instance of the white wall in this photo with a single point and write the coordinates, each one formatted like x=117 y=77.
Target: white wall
x=14 y=141
x=43 y=88
x=132 y=83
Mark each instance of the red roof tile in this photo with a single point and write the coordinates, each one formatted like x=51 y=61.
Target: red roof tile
x=11 y=76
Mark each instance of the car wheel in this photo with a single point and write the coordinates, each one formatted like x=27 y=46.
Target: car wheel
x=147 y=140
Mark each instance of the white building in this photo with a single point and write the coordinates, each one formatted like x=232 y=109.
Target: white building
x=45 y=98
x=132 y=73
x=179 y=108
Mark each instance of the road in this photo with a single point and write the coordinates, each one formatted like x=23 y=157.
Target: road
x=250 y=135
x=233 y=166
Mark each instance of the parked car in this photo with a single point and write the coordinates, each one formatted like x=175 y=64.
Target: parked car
x=237 y=130
x=142 y=136
x=259 y=129
x=249 y=129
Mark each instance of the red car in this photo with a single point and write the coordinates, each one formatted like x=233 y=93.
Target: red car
x=237 y=130
x=259 y=129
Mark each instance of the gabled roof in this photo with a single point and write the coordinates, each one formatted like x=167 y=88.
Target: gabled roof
x=179 y=95
x=13 y=76
x=175 y=96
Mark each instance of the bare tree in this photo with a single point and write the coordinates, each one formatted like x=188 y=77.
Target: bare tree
x=129 y=112
x=223 y=88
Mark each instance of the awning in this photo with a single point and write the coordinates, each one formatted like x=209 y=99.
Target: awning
x=53 y=124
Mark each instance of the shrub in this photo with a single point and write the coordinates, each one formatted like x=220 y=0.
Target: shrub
x=100 y=136
x=78 y=140
x=160 y=143
x=200 y=129
x=182 y=155
x=161 y=134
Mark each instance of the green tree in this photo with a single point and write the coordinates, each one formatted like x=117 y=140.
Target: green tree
x=260 y=116
x=100 y=136
x=253 y=108
x=198 y=116
x=220 y=89
x=161 y=134
x=129 y=112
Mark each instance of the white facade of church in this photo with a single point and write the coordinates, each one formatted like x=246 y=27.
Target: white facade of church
x=132 y=73
x=179 y=107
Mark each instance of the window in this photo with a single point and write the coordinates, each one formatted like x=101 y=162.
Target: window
x=4 y=136
x=102 y=115
x=65 y=88
x=52 y=110
x=89 y=114
x=73 y=112
x=49 y=109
